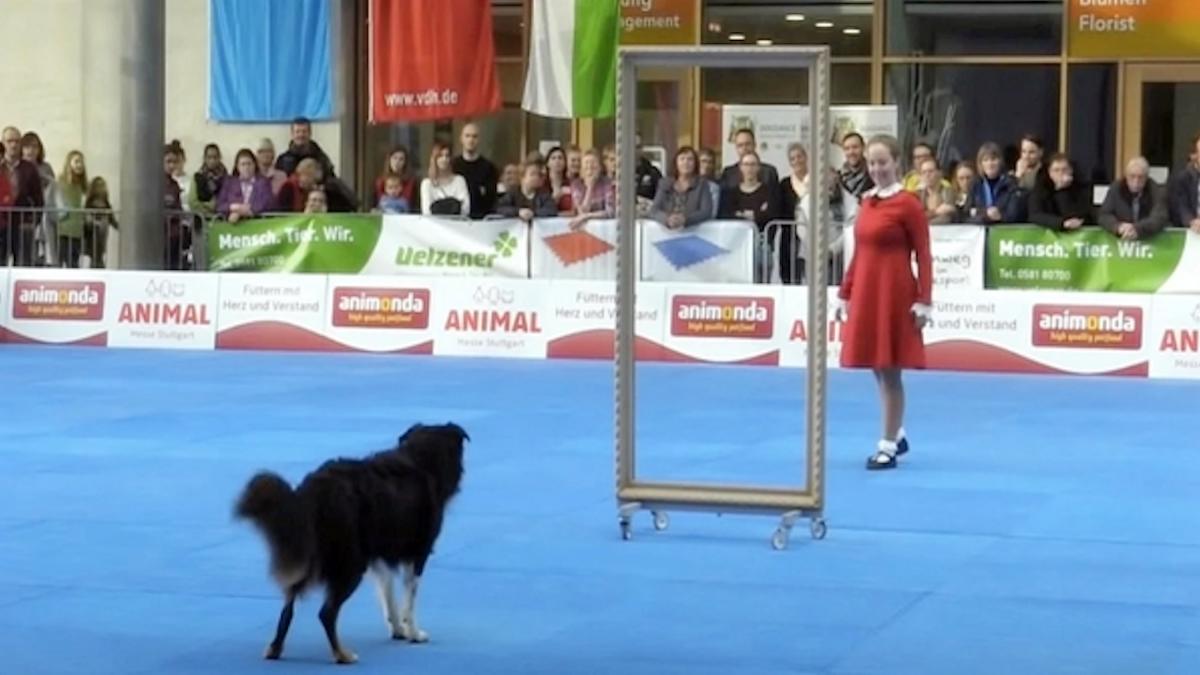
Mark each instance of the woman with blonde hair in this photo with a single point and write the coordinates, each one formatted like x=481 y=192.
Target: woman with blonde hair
x=444 y=193
x=72 y=188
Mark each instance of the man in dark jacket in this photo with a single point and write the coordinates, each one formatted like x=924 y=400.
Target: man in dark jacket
x=1184 y=192
x=1136 y=206
x=530 y=200
x=302 y=147
x=1062 y=203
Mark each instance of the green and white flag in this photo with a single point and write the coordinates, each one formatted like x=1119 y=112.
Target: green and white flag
x=573 y=58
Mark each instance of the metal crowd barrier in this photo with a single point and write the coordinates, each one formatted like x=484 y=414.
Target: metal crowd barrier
x=34 y=237
x=781 y=256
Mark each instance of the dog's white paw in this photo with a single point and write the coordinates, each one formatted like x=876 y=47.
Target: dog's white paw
x=345 y=657
x=411 y=633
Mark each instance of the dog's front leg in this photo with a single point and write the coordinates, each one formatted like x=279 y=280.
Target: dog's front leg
x=385 y=583
x=408 y=620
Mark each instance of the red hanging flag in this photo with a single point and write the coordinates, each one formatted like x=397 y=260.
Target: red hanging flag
x=432 y=59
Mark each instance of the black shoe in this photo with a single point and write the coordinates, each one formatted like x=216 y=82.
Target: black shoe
x=902 y=446
x=881 y=460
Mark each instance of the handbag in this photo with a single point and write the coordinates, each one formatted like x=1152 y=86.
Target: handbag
x=445 y=206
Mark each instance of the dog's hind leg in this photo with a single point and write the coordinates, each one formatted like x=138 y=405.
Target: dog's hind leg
x=385 y=583
x=275 y=649
x=335 y=596
x=408 y=619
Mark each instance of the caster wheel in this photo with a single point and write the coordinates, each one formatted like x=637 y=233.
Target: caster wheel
x=818 y=528
x=626 y=530
x=661 y=521
x=779 y=540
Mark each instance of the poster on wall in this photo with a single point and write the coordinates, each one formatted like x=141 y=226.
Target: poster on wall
x=430 y=60
x=777 y=126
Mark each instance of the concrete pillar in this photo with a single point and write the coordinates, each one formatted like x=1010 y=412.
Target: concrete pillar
x=143 y=68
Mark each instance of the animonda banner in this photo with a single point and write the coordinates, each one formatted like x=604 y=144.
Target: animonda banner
x=432 y=59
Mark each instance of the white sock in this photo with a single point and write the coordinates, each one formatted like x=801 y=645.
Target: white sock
x=900 y=435
x=887 y=447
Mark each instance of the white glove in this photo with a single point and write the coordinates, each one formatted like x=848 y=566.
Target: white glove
x=922 y=314
x=841 y=311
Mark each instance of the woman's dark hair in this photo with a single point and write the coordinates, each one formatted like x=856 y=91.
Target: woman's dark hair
x=854 y=134
x=1035 y=139
x=557 y=149
x=685 y=150
x=387 y=161
x=214 y=146
x=31 y=138
x=245 y=152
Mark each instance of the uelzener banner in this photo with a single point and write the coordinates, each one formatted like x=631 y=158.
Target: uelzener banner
x=332 y=243
x=1089 y=259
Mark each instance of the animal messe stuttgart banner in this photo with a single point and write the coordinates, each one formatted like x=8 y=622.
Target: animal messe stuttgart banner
x=432 y=59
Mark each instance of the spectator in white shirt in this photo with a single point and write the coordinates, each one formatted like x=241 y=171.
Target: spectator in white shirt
x=444 y=193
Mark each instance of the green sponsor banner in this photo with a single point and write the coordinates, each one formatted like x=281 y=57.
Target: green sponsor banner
x=1090 y=259
x=327 y=243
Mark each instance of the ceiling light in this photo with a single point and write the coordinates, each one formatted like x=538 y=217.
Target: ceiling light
x=794 y=17
x=736 y=37
x=852 y=31
x=824 y=24
x=764 y=42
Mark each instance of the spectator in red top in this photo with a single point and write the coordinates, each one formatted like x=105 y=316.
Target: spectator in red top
x=397 y=166
x=294 y=193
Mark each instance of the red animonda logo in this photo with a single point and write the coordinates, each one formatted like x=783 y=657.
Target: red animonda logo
x=722 y=317
x=58 y=300
x=406 y=308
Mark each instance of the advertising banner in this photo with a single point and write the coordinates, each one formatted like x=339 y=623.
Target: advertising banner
x=1174 y=338
x=371 y=244
x=491 y=317
x=328 y=243
x=1089 y=259
x=793 y=330
x=958 y=255
x=558 y=252
x=272 y=311
x=722 y=324
x=713 y=251
x=380 y=314
x=429 y=246
x=660 y=22
x=162 y=310
x=776 y=127
x=583 y=319
x=1022 y=332
x=431 y=60
x=57 y=306
x=1117 y=29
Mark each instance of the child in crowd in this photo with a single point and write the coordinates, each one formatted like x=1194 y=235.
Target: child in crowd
x=99 y=219
x=393 y=201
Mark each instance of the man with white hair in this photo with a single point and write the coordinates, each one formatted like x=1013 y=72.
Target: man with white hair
x=1136 y=206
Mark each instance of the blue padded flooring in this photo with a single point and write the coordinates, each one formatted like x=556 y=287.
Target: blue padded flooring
x=1040 y=525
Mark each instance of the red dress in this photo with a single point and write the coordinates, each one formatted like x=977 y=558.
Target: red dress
x=879 y=287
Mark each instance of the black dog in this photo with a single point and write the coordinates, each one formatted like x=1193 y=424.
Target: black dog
x=349 y=515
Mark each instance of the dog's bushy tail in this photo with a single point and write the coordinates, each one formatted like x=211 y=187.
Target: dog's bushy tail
x=273 y=506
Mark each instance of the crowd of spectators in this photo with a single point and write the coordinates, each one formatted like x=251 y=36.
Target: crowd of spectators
x=64 y=219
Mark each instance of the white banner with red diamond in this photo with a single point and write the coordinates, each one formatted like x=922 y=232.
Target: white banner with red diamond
x=560 y=248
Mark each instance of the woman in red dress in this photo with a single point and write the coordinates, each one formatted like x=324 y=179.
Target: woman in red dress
x=885 y=308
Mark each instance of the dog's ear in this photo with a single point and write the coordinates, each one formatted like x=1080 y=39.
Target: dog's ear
x=404 y=436
x=462 y=433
